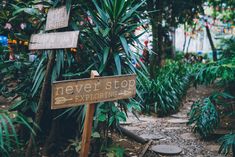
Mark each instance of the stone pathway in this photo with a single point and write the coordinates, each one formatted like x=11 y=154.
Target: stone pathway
x=172 y=134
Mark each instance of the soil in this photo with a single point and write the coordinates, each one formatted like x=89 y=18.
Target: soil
x=172 y=129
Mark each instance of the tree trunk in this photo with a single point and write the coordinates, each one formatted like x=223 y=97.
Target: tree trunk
x=52 y=145
x=188 y=44
x=156 y=20
x=191 y=38
x=211 y=43
x=173 y=52
x=185 y=38
x=209 y=36
x=42 y=102
x=161 y=46
x=155 y=58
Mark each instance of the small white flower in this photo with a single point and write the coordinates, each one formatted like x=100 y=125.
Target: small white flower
x=23 y=25
x=8 y=26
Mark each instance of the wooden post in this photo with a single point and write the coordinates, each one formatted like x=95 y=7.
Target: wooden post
x=88 y=124
x=41 y=102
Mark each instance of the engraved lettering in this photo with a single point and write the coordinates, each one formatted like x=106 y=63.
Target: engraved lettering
x=124 y=84
x=131 y=84
x=108 y=85
x=87 y=88
x=61 y=89
x=97 y=84
x=69 y=90
x=78 y=88
x=116 y=84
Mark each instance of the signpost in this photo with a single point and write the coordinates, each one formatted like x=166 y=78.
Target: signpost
x=71 y=93
x=58 y=40
x=89 y=91
x=86 y=91
x=57 y=18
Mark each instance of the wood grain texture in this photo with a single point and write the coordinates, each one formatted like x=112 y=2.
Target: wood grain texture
x=86 y=135
x=57 y=18
x=58 y=40
x=92 y=90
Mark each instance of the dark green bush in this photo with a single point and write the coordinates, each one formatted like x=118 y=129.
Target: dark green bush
x=164 y=93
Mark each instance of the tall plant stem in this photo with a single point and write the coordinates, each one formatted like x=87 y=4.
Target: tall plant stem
x=42 y=102
x=208 y=32
x=194 y=27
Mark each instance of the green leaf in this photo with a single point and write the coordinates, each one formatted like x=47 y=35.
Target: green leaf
x=118 y=63
x=106 y=32
x=102 y=117
x=95 y=135
x=105 y=57
x=68 y=5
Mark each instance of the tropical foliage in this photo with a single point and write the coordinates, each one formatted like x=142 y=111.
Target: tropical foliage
x=10 y=122
x=106 y=33
x=206 y=115
x=164 y=93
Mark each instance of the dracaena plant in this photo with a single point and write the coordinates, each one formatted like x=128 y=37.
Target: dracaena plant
x=109 y=36
x=105 y=38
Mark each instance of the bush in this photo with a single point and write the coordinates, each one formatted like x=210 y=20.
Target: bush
x=164 y=93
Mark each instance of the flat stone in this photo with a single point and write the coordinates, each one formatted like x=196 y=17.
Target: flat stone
x=152 y=136
x=131 y=128
x=173 y=128
x=167 y=149
x=221 y=132
x=213 y=148
x=188 y=136
x=177 y=121
x=148 y=119
x=179 y=115
x=125 y=123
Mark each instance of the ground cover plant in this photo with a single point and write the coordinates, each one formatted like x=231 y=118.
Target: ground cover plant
x=208 y=114
x=164 y=93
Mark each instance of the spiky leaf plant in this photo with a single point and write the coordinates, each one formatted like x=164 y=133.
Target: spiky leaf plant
x=204 y=117
x=227 y=144
x=9 y=140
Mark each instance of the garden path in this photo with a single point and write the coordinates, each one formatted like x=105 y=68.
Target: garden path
x=171 y=130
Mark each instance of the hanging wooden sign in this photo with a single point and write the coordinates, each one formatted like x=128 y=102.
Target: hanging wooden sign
x=57 y=18
x=86 y=91
x=58 y=40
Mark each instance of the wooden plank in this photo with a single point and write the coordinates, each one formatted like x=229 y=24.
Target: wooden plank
x=145 y=148
x=58 y=40
x=57 y=18
x=86 y=135
x=86 y=91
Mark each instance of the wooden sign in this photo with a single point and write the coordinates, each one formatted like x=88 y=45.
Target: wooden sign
x=58 y=40
x=57 y=18
x=92 y=90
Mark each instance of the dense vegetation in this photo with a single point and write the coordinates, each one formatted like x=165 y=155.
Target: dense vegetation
x=208 y=114
x=105 y=40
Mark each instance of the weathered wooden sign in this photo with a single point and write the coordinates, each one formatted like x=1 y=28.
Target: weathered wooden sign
x=57 y=18
x=58 y=40
x=86 y=91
